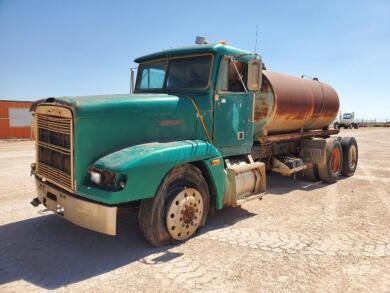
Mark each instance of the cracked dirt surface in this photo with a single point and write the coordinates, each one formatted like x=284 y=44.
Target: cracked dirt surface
x=303 y=236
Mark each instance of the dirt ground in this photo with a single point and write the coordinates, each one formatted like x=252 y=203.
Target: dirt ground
x=302 y=236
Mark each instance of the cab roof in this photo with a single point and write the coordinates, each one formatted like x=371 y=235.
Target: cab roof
x=218 y=48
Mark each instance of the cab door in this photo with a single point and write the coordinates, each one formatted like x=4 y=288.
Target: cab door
x=233 y=107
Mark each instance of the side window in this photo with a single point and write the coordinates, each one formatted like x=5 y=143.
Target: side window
x=235 y=83
x=229 y=79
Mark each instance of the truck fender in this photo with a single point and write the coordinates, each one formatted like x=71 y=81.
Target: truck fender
x=146 y=165
x=313 y=150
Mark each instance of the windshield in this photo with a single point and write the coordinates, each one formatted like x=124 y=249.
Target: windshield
x=151 y=75
x=177 y=73
x=347 y=116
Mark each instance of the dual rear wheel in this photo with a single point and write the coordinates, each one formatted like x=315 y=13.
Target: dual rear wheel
x=341 y=159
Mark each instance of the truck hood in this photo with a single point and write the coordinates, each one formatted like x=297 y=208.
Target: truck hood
x=118 y=105
x=108 y=123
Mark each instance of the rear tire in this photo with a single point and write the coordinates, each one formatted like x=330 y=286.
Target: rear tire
x=155 y=213
x=350 y=156
x=330 y=171
x=311 y=172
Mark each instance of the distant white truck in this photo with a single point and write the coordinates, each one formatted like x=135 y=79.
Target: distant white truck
x=346 y=120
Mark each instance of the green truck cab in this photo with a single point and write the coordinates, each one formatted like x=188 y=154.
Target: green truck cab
x=186 y=142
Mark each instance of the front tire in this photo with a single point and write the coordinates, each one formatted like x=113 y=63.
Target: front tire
x=178 y=209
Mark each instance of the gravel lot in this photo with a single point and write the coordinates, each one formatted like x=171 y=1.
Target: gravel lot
x=302 y=236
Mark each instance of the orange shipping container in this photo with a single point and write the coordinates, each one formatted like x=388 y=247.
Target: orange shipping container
x=15 y=119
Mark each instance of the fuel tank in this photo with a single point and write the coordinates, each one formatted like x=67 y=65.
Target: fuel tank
x=289 y=104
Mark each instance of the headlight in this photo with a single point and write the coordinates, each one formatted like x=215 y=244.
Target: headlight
x=95 y=177
x=107 y=179
x=101 y=177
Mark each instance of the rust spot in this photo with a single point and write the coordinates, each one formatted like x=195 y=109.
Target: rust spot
x=261 y=111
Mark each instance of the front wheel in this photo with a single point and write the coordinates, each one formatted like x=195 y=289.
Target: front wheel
x=184 y=216
x=178 y=209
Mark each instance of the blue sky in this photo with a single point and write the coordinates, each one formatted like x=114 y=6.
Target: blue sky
x=58 y=48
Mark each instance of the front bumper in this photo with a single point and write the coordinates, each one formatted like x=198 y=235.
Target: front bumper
x=89 y=215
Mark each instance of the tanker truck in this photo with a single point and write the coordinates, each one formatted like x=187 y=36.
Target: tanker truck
x=346 y=120
x=203 y=126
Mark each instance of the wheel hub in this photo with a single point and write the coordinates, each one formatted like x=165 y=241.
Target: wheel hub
x=188 y=214
x=336 y=161
x=352 y=156
x=184 y=214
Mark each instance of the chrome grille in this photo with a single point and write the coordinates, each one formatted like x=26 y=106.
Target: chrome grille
x=54 y=150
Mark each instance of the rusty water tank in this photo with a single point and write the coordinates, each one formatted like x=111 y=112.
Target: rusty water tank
x=289 y=104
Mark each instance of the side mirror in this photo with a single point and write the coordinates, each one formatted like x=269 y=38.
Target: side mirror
x=255 y=75
x=131 y=80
